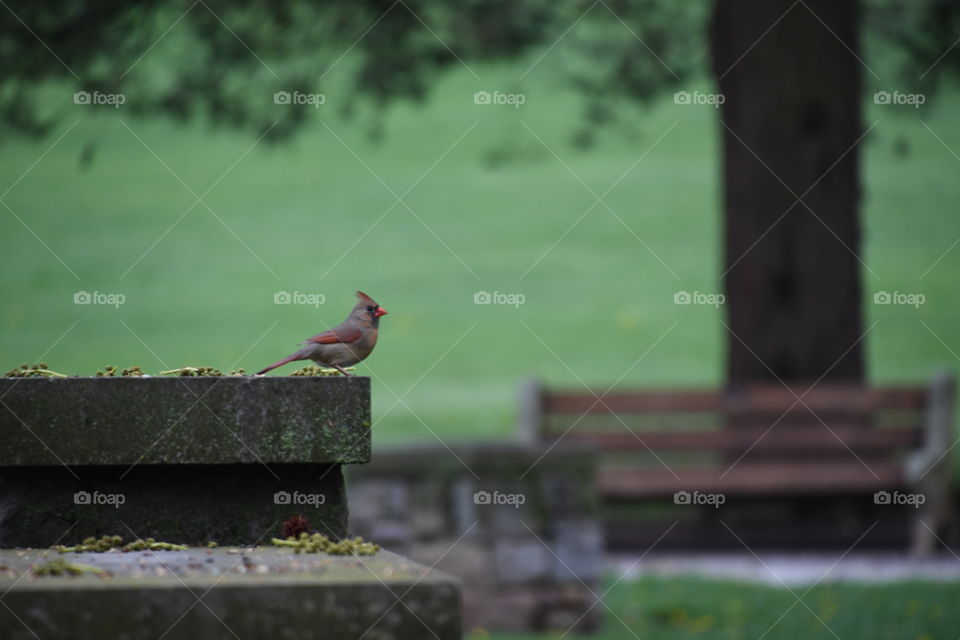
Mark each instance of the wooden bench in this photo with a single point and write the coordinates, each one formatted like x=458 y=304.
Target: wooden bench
x=761 y=441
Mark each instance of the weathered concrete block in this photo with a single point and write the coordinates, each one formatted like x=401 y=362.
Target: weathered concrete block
x=491 y=496
x=578 y=545
x=508 y=509
x=395 y=500
x=525 y=608
x=469 y=560
x=394 y=533
x=365 y=507
x=521 y=559
x=181 y=459
x=379 y=498
x=568 y=493
x=209 y=420
x=429 y=510
x=463 y=508
x=503 y=608
x=263 y=593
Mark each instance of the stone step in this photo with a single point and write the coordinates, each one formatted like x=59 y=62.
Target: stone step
x=240 y=592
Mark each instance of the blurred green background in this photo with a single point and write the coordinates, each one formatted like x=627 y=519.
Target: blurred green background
x=680 y=608
x=496 y=205
x=500 y=201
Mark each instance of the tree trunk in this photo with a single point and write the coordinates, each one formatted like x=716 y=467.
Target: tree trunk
x=792 y=98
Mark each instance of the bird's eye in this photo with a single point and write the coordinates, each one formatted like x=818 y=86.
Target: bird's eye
x=371 y=309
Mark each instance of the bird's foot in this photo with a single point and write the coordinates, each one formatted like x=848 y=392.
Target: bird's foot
x=341 y=370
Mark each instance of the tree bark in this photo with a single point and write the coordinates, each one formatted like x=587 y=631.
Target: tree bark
x=792 y=103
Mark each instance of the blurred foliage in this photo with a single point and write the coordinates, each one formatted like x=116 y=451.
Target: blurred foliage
x=225 y=59
x=915 y=41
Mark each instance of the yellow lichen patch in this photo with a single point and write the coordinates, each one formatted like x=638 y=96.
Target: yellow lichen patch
x=60 y=567
x=318 y=371
x=108 y=543
x=319 y=543
x=193 y=371
x=35 y=371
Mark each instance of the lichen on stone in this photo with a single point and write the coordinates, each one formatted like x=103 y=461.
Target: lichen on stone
x=111 y=371
x=319 y=543
x=33 y=371
x=193 y=371
x=59 y=567
x=108 y=543
x=311 y=371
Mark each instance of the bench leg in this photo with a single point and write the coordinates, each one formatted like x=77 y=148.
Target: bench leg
x=931 y=517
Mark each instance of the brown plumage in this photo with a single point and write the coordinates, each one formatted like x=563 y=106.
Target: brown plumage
x=346 y=344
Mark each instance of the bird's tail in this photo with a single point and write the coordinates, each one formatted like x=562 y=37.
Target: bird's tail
x=279 y=363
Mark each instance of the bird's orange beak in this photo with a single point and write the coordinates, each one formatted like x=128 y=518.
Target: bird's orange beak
x=380 y=312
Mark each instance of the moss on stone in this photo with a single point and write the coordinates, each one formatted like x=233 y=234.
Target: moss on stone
x=199 y=420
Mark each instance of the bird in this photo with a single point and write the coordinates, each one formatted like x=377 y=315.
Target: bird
x=346 y=344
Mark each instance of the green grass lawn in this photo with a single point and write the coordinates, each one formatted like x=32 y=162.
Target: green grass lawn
x=487 y=216
x=682 y=608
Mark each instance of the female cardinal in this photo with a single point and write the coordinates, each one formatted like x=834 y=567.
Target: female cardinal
x=346 y=344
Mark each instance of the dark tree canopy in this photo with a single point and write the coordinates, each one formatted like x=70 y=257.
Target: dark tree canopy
x=225 y=59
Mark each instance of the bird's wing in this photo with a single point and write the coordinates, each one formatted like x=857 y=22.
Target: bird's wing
x=337 y=334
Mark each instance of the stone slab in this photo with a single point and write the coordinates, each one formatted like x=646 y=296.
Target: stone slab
x=263 y=592
x=184 y=420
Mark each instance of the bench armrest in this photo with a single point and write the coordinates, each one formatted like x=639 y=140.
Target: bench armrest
x=530 y=423
x=935 y=456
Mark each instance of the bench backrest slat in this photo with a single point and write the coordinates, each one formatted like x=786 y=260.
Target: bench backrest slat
x=787 y=440
x=750 y=400
x=879 y=421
